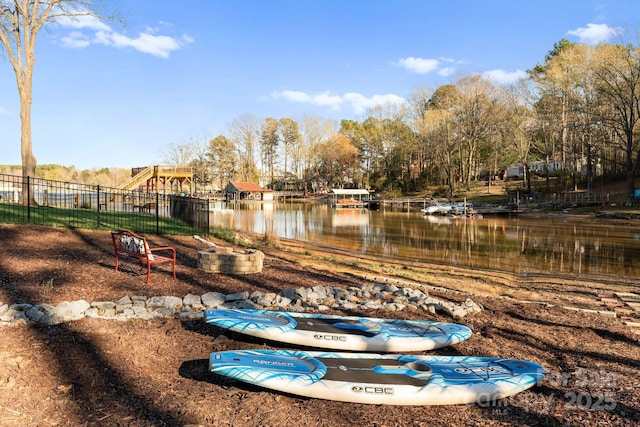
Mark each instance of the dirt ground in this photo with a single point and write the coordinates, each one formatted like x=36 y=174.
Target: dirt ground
x=154 y=373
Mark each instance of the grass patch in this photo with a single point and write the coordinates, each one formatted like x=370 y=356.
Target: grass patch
x=224 y=234
x=92 y=219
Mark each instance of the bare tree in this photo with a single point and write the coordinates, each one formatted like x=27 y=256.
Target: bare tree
x=516 y=124
x=314 y=130
x=244 y=132
x=475 y=122
x=439 y=134
x=223 y=159
x=20 y=23
x=291 y=138
x=419 y=105
x=269 y=141
x=618 y=77
x=199 y=162
x=554 y=83
x=182 y=154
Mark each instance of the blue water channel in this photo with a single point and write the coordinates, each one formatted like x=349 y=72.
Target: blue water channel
x=522 y=245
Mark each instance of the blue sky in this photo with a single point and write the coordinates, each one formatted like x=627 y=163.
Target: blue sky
x=112 y=95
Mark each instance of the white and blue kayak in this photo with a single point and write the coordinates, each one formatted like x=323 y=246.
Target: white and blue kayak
x=347 y=333
x=379 y=379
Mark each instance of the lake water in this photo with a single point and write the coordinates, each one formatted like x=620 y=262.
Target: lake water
x=555 y=244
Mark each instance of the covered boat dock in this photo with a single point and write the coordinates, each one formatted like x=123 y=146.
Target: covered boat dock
x=350 y=198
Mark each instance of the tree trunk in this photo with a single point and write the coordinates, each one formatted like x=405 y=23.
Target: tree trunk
x=589 y=168
x=563 y=142
x=630 y=178
x=26 y=146
x=631 y=168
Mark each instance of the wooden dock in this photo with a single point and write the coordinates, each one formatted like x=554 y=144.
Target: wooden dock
x=415 y=205
x=405 y=204
x=349 y=203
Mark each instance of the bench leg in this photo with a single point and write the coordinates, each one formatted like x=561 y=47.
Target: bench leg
x=148 y=271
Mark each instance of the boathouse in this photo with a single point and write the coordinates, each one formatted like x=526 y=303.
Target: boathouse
x=349 y=198
x=235 y=191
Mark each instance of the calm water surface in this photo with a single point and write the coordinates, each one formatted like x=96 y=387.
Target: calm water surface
x=518 y=245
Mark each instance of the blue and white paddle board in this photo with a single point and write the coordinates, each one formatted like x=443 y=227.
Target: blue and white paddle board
x=346 y=333
x=380 y=379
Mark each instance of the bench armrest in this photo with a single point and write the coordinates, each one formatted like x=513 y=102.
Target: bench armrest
x=163 y=248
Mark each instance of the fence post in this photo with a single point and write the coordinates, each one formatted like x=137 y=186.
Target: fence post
x=98 y=225
x=205 y=209
x=28 y=199
x=157 y=212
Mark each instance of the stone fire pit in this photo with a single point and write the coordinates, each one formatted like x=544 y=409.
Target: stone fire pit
x=226 y=261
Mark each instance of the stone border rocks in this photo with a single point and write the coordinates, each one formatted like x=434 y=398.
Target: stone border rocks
x=371 y=296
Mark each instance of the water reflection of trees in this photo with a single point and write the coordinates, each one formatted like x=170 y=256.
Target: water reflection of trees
x=539 y=246
x=508 y=244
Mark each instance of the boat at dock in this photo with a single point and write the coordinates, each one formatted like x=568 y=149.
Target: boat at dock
x=437 y=208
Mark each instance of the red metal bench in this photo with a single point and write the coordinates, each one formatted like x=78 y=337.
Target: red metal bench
x=127 y=244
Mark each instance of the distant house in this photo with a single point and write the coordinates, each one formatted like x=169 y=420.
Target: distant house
x=246 y=191
x=516 y=171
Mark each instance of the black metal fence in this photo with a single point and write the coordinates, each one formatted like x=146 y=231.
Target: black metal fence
x=565 y=200
x=47 y=202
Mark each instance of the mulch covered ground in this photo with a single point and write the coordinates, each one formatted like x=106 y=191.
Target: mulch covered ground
x=154 y=373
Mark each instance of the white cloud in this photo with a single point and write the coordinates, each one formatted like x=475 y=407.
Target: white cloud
x=327 y=99
x=75 y=40
x=419 y=65
x=504 y=77
x=89 y=30
x=594 y=33
x=83 y=22
x=446 y=71
x=292 y=95
x=160 y=46
x=324 y=99
x=443 y=67
x=358 y=102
